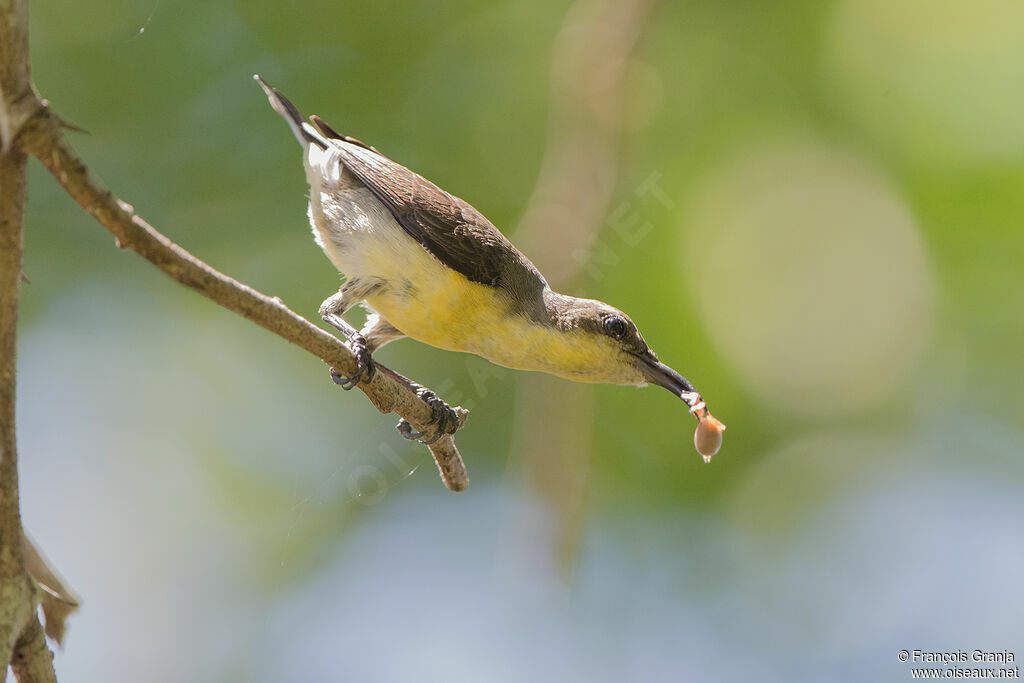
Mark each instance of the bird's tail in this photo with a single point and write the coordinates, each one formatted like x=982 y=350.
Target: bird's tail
x=302 y=130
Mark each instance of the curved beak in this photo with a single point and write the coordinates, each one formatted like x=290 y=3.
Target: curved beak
x=658 y=373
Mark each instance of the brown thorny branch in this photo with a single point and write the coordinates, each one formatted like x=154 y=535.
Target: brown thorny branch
x=43 y=138
x=41 y=135
x=22 y=639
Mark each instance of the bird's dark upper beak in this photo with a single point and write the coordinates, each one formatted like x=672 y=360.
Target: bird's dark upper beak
x=658 y=373
x=708 y=436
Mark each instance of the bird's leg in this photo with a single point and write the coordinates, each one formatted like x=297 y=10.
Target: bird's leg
x=377 y=332
x=331 y=311
x=444 y=419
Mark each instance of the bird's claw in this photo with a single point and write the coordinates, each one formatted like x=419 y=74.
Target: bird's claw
x=444 y=419
x=365 y=368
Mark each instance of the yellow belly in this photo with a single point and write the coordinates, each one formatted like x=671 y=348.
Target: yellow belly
x=456 y=314
x=444 y=309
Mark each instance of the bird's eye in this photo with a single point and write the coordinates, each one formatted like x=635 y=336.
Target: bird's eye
x=615 y=327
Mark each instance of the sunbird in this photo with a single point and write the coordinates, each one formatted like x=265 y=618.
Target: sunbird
x=429 y=266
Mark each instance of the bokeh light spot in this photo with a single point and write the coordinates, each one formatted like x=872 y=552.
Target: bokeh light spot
x=940 y=82
x=810 y=277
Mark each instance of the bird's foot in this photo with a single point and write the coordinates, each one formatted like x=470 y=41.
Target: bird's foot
x=365 y=367
x=444 y=419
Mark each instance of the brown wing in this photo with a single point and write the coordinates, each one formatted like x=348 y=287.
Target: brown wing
x=450 y=229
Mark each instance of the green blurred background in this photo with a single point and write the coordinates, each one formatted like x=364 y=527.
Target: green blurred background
x=811 y=209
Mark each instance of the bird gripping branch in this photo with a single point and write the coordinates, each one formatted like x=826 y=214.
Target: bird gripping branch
x=429 y=266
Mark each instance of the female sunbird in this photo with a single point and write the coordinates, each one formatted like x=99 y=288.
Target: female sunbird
x=427 y=265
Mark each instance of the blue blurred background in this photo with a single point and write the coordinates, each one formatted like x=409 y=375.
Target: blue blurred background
x=811 y=209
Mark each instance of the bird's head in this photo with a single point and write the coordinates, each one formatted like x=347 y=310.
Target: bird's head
x=599 y=343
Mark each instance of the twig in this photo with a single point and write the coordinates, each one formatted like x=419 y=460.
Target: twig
x=32 y=661
x=43 y=138
x=17 y=594
x=21 y=638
